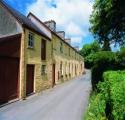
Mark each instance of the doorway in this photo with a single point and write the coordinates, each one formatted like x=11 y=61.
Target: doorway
x=30 y=80
x=53 y=75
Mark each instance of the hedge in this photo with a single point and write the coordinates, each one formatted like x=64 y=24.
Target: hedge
x=109 y=103
x=104 y=60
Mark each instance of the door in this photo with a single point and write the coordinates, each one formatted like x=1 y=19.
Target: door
x=53 y=75
x=30 y=79
x=9 y=79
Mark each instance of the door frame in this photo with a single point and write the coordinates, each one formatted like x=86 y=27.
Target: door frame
x=33 y=82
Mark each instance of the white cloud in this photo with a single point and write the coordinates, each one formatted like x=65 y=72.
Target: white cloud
x=71 y=16
x=77 y=40
x=74 y=30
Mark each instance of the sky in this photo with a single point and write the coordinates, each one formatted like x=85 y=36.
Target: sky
x=71 y=16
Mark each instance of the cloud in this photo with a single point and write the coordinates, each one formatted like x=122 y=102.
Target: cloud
x=71 y=16
x=77 y=40
x=74 y=30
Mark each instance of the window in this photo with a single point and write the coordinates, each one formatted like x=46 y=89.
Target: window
x=69 y=51
x=61 y=68
x=43 y=49
x=69 y=67
x=61 y=47
x=31 y=40
x=43 y=70
x=75 y=70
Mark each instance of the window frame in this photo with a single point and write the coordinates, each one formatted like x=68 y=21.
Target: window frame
x=61 y=47
x=31 y=40
x=43 y=49
x=43 y=70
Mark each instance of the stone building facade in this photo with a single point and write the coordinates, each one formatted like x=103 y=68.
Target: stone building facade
x=34 y=55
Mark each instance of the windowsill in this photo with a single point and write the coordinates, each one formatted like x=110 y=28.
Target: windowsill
x=54 y=48
x=43 y=60
x=44 y=74
x=29 y=47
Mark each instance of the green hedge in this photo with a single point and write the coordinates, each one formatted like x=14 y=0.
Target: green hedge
x=109 y=103
x=96 y=108
x=103 y=61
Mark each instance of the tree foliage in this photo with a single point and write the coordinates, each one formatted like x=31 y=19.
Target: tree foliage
x=108 y=22
x=90 y=48
x=88 y=52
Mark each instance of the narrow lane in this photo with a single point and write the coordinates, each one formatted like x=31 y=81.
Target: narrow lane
x=66 y=101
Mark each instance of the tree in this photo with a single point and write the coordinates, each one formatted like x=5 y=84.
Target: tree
x=88 y=52
x=108 y=22
x=90 y=48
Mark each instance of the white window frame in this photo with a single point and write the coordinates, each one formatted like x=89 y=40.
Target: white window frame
x=31 y=40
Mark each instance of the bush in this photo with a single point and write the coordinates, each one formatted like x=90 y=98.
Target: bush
x=109 y=103
x=113 y=88
x=88 y=52
x=90 y=48
x=121 y=56
x=89 y=60
x=96 y=109
x=104 y=60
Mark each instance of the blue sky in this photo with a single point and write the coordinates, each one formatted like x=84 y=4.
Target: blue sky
x=20 y=5
x=72 y=16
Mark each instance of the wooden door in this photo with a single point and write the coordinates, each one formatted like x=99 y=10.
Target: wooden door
x=53 y=75
x=30 y=79
x=9 y=79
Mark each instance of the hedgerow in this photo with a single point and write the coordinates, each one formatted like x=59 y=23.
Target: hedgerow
x=109 y=103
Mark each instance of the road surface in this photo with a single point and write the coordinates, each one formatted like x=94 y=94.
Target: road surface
x=67 y=101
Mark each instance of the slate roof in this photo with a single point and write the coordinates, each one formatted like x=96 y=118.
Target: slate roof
x=22 y=19
x=52 y=31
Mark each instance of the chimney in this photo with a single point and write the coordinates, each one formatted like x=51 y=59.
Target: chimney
x=51 y=24
x=61 y=34
x=77 y=48
x=68 y=40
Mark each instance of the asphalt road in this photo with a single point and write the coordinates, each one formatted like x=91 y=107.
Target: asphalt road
x=67 y=101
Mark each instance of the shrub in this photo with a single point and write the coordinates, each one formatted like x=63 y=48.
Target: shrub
x=90 y=48
x=109 y=103
x=121 y=57
x=96 y=109
x=88 y=52
x=104 y=60
x=89 y=60
x=113 y=88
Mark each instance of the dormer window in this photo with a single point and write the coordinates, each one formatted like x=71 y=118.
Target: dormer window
x=31 y=40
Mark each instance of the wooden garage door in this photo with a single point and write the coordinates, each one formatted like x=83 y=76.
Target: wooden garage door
x=9 y=79
x=30 y=79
